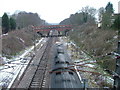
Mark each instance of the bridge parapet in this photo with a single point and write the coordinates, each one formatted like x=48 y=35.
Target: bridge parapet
x=44 y=31
x=53 y=27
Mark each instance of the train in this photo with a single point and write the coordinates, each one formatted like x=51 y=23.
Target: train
x=63 y=74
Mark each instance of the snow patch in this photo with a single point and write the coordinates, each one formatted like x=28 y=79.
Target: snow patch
x=115 y=37
x=20 y=39
x=15 y=67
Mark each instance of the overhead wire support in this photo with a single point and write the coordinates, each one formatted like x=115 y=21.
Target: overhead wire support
x=33 y=29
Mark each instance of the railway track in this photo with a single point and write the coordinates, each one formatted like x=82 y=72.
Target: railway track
x=50 y=68
x=39 y=78
x=37 y=75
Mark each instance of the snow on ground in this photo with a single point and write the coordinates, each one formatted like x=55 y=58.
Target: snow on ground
x=80 y=60
x=4 y=34
x=93 y=64
x=15 y=66
x=20 y=39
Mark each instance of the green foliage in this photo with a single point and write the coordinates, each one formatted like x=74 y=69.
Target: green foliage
x=109 y=8
x=106 y=21
x=107 y=16
x=12 y=24
x=116 y=24
x=5 y=23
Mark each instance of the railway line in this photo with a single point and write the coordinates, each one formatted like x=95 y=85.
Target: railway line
x=41 y=73
x=50 y=68
x=36 y=72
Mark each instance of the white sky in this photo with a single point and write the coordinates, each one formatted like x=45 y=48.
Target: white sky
x=53 y=11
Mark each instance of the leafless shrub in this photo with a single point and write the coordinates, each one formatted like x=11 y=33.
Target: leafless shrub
x=16 y=41
x=96 y=42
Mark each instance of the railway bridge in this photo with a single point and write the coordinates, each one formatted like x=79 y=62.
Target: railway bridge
x=44 y=31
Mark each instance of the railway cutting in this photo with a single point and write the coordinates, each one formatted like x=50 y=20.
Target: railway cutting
x=50 y=68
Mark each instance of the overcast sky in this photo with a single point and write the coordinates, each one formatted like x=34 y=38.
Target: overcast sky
x=53 y=11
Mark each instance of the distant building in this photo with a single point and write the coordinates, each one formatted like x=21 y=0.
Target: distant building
x=119 y=7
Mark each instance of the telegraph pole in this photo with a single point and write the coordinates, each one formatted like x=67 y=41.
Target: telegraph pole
x=34 y=38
